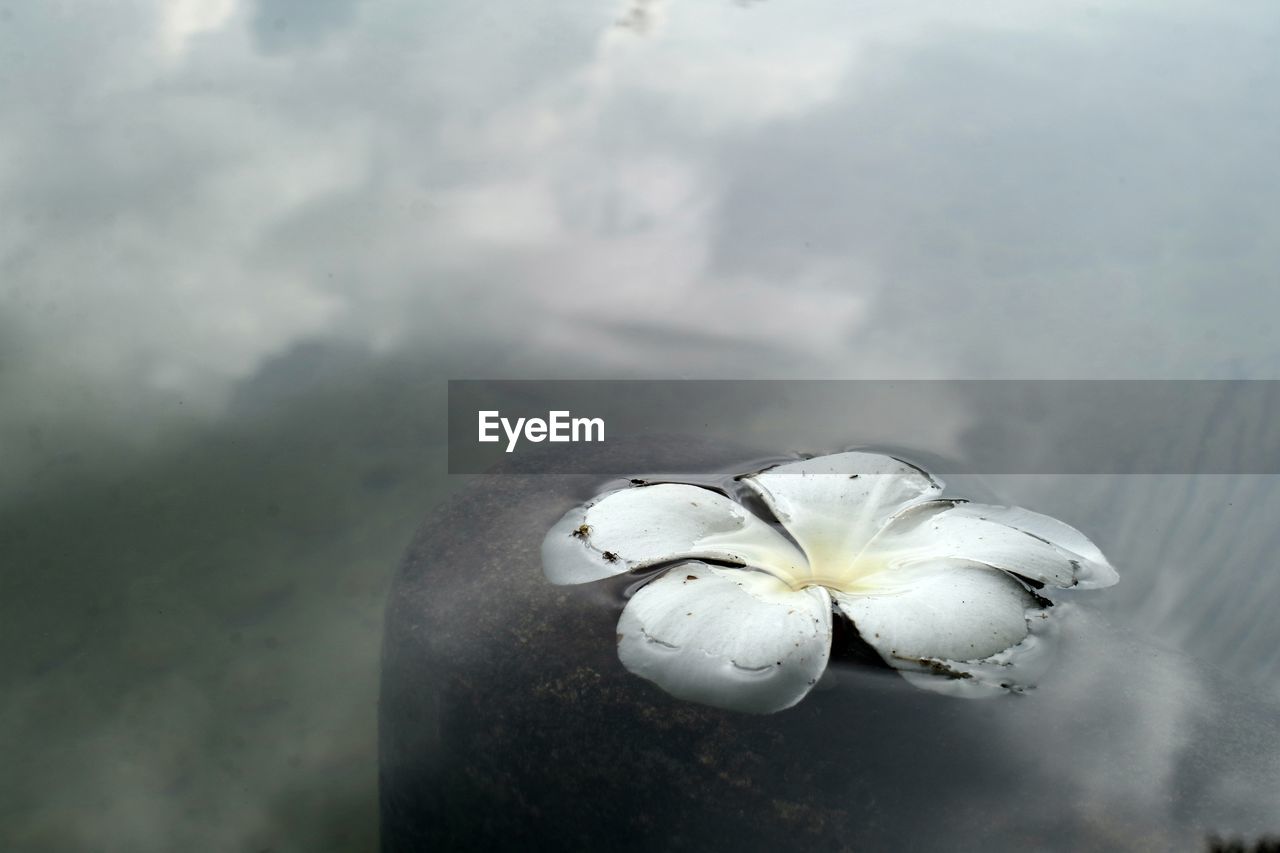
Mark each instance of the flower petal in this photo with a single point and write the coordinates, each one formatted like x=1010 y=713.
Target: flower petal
x=946 y=610
x=1009 y=538
x=1093 y=571
x=834 y=504
x=732 y=638
x=637 y=527
x=1014 y=670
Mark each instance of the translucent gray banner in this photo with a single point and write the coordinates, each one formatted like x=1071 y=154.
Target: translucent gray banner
x=953 y=426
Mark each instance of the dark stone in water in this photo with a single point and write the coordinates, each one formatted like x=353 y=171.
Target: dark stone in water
x=507 y=721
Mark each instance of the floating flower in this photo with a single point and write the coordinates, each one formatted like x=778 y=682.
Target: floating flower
x=739 y=613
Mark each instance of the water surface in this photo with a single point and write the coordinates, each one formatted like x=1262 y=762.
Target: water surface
x=243 y=243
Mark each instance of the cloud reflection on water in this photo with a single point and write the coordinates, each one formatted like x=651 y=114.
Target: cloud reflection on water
x=199 y=197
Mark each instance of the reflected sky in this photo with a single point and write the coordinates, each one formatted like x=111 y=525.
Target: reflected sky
x=749 y=190
x=234 y=234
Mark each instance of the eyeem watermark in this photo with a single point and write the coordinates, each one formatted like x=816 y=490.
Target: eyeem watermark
x=558 y=426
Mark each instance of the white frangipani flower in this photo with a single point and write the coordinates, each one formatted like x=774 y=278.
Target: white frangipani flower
x=742 y=616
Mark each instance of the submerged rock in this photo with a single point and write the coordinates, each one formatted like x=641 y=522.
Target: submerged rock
x=507 y=721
